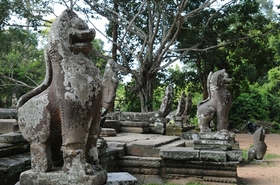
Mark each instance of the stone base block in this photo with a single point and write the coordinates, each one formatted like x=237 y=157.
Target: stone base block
x=59 y=177
x=121 y=178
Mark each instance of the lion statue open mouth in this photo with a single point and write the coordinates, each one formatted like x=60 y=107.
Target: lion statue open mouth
x=218 y=102
x=63 y=113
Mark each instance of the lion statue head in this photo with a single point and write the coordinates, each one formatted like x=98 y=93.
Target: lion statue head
x=219 y=79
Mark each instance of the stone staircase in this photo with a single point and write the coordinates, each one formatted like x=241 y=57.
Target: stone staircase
x=14 y=153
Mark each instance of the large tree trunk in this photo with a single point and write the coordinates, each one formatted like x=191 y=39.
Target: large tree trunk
x=146 y=92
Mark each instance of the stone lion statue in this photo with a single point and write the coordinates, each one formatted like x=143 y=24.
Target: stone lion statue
x=217 y=104
x=63 y=113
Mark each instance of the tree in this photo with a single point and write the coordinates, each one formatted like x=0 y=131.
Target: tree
x=240 y=29
x=21 y=63
x=147 y=32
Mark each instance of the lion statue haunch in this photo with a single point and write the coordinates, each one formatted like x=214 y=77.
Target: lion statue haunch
x=217 y=104
x=65 y=110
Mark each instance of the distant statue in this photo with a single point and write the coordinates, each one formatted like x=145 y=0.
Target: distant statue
x=110 y=84
x=181 y=104
x=65 y=110
x=166 y=105
x=188 y=105
x=218 y=102
x=259 y=147
x=14 y=100
x=184 y=108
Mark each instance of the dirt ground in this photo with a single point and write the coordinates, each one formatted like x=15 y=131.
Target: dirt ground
x=266 y=172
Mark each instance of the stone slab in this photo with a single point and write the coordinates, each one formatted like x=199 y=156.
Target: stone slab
x=58 y=177
x=8 y=113
x=211 y=165
x=180 y=153
x=115 y=124
x=121 y=178
x=209 y=155
x=106 y=132
x=220 y=135
x=13 y=149
x=148 y=147
x=12 y=166
x=134 y=124
x=200 y=144
x=135 y=129
x=129 y=137
x=6 y=125
x=11 y=137
x=134 y=161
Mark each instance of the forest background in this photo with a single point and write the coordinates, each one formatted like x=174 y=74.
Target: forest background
x=157 y=43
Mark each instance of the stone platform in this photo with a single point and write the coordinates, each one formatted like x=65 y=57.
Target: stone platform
x=152 y=157
x=168 y=157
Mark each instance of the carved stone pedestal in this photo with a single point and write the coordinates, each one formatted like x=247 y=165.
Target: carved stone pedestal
x=60 y=177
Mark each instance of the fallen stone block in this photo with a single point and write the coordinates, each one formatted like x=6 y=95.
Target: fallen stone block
x=121 y=178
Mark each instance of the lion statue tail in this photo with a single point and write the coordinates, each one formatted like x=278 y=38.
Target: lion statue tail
x=43 y=86
x=208 y=90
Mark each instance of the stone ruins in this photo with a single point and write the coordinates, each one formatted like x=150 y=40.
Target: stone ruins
x=60 y=121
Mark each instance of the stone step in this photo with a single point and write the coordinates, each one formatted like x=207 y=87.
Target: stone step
x=190 y=154
x=107 y=132
x=7 y=149
x=12 y=166
x=115 y=124
x=8 y=113
x=7 y=125
x=140 y=130
x=134 y=124
x=12 y=138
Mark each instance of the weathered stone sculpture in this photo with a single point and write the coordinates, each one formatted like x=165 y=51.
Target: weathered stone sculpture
x=65 y=110
x=259 y=147
x=166 y=105
x=110 y=84
x=218 y=102
x=181 y=105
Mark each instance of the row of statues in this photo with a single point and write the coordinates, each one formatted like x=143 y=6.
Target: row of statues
x=64 y=113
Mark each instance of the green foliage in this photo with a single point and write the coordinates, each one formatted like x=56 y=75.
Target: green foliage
x=22 y=65
x=252 y=105
x=126 y=99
